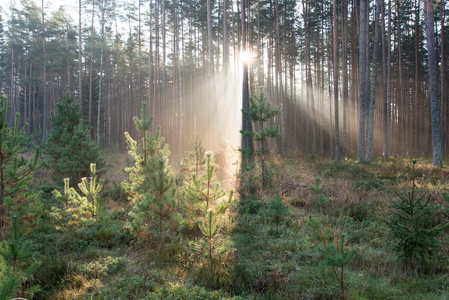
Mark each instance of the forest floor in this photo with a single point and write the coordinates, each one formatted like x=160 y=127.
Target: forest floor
x=269 y=243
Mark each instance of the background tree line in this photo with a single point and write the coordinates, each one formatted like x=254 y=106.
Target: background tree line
x=352 y=76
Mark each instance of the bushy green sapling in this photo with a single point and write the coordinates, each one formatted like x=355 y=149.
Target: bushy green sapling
x=69 y=146
x=276 y=210
x=145 y=157
x=91 y=189
x=259 y=112
x=204 y=189
x=18 y=254
x=194 y=161
x=337 y=257
x=164 y=187
x=15 y=171
x=319 y=199
x=72 y=206
x=65 y=201
x=411 y=226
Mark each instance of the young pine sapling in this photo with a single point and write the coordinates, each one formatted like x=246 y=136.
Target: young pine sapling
x=337 y=257
x=164 y=187
x=204 y=188
x=15 y=171
x=91 y=190
x=18 y=254
x=411 y=225
x=210 y=228
x=319 y=198
x=259 y=112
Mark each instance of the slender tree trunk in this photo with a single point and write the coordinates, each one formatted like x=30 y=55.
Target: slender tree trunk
x=345 y=75
x=102 y=8
x=389 y=81
x=362 y=65
x=164 y=70
x=402 y=117
x=91 y=62
x=44 y=55
x=416 y=142
x=435 y=113
x=247 y=142
x=384 y=84
x=80 y=64
x=140 y=56
x=352 y=132
x=279 y=79
x=225 y=37
x=335 y=77
x=372 y=103
x=443 y=82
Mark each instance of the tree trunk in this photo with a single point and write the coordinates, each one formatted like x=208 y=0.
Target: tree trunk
x=362 y=66
x=102 y=8
x=80 y=64
x=372 y=103
x=91 y=62
x=279 y=79
x=384 y=84
x=44 y=127
x=402 y=117
x=335 y=77
x=345 y=75
x=443 y=82
x=247 y=142
x=435 y=114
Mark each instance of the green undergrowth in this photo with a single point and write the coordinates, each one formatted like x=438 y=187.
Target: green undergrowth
x=268 y=246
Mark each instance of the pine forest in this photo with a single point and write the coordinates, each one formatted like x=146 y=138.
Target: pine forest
x=231 y=149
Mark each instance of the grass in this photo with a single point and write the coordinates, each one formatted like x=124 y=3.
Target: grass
x=263 y=251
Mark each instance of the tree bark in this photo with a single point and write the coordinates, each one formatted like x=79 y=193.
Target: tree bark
x=44 y=55
x=435 y=113
x=372 y=103
x=362 y=66
x=335 y=77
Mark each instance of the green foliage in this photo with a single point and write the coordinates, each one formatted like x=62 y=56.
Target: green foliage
x=210 y=228
x=9 y=284
x=16 y=172
x=249 y=206
x=145 y=157
x=91 y=190
x=319 y=199
x=51 y=276
x=102 y=267
x=165 y=199
x=411 y=225
x=336 y=257
x=69 y=146
x=151 y=184
x=276 y=210
x=204 y=189
x=18 y=254
x=71 y=208
x=259 y=112
x=194 y=161
x=318 y=232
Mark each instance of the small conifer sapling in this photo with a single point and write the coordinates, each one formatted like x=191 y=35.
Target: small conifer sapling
x=210 y=228
x=164 y=188
x=259 y=112
x=91 y=190
x=337 y=257
x=15 y=171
